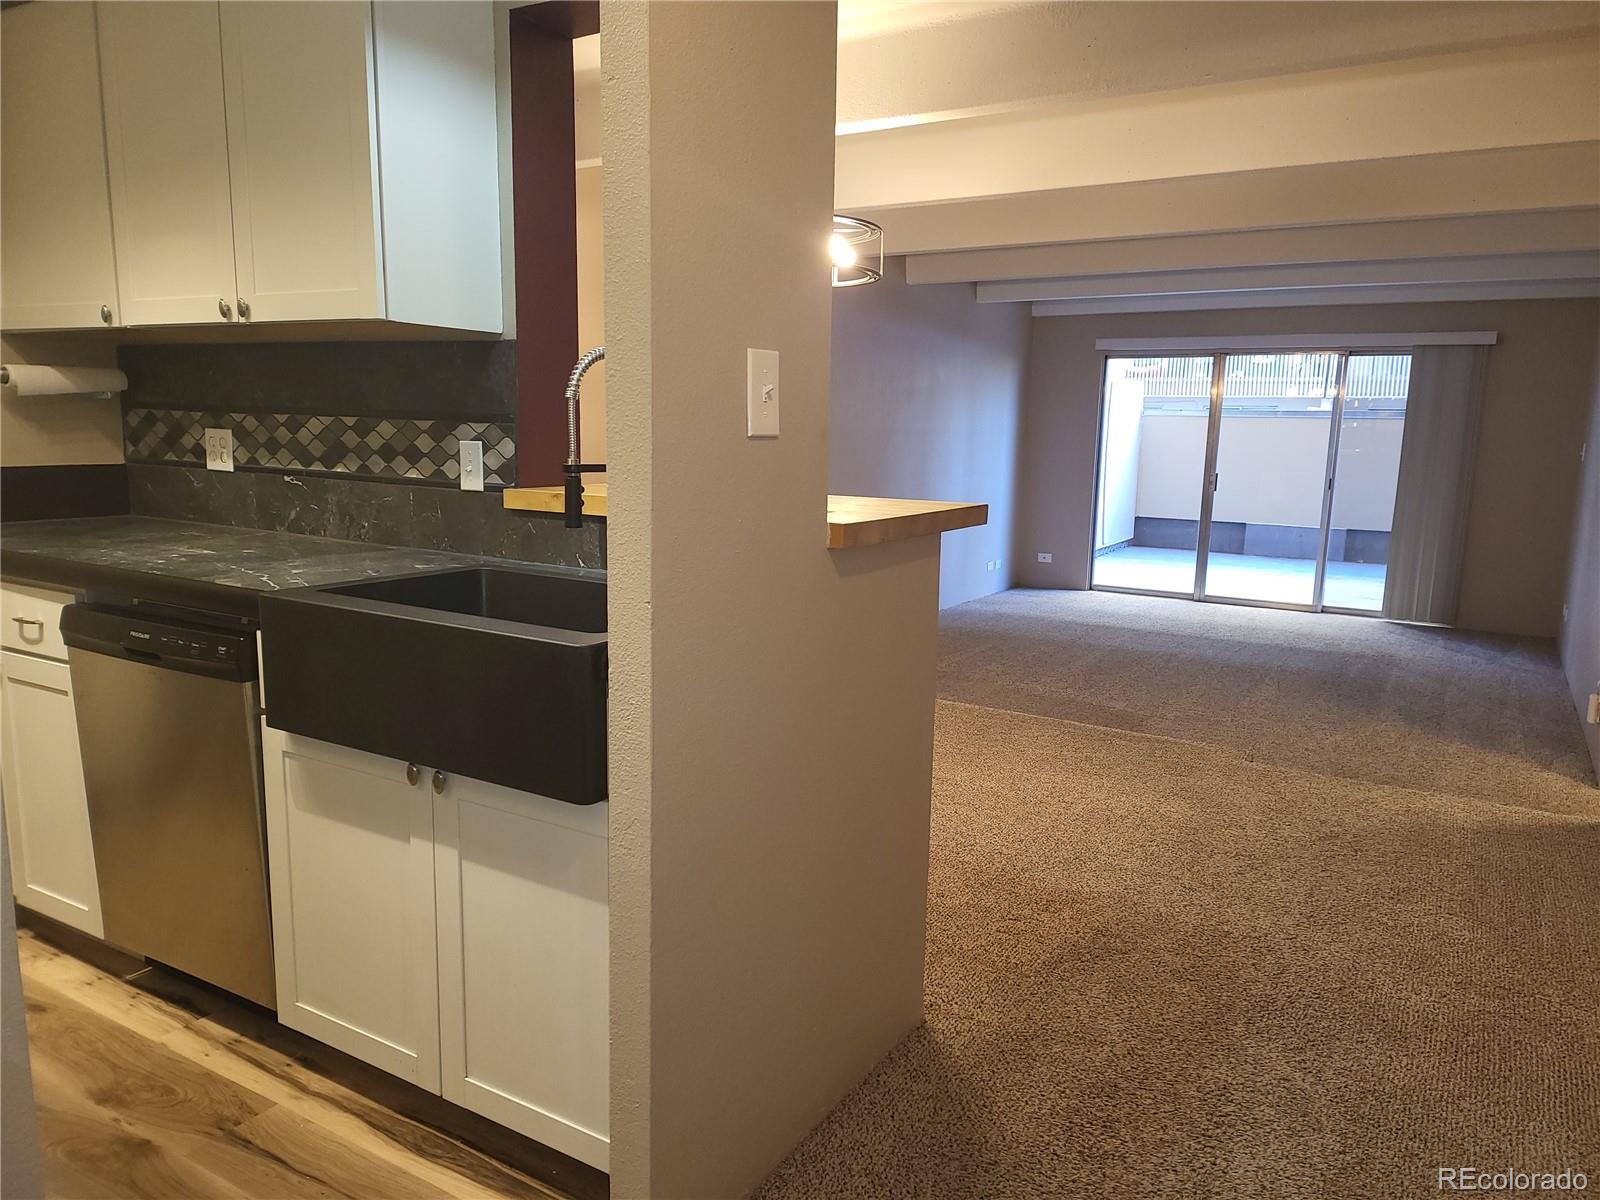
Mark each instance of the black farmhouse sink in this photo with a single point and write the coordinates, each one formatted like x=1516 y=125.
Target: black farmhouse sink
x=498 y=673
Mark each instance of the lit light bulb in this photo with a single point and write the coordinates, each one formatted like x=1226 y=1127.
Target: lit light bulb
x=841 y=251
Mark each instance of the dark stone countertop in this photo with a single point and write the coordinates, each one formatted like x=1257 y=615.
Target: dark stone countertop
x=212 y=566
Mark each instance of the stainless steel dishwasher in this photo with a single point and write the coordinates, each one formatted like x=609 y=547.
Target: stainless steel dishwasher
x=168 y=722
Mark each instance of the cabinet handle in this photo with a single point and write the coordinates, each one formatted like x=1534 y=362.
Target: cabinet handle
x=26 y=623
x=105 y=313
x=413 y=773
x=438 y=783
x=225 y=309
x=244 y=309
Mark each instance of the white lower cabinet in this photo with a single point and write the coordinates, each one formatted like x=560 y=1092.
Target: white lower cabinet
x=350 y=853
x=47 y=810
x=453 y=934
x=523 y=984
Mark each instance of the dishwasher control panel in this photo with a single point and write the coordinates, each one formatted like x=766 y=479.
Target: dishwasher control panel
x=169 y=644
x=201 y=645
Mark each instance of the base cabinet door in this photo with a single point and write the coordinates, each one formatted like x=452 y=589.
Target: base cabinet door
x=350 y=844
x=523 y=985
x=47 y=810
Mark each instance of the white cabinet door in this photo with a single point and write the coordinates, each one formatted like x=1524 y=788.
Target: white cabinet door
x=302 y=139
x=523 y=984
x=350 y=847
x=167 y=146
x=47 y=811
x=57 y=268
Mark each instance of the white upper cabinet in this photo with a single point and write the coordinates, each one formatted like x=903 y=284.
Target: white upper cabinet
x=167 y=148
x=57 y=270
x=260 y=162
x=302 y=132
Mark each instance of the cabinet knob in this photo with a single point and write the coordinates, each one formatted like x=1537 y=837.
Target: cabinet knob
x=438 y=783
x=105 y=313
x=413 y=773
x=225 y=309
x=244 y=309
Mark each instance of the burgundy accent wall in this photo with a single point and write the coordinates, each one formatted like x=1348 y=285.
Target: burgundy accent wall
x=544 y=216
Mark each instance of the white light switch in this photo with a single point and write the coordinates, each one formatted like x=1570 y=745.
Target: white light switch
x=219 y=449
x=761 y=387
x=472 y=466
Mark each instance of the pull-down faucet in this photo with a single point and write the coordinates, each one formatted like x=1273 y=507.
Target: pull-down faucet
x=573 y=470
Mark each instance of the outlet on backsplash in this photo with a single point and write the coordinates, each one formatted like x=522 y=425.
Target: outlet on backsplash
x=219 y=449
x=471 y=466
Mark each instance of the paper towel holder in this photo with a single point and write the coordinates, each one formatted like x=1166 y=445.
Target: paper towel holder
x=37 y=379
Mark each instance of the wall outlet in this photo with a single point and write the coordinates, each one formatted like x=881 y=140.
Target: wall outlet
x=761 y=393
x=219 y=449
x=472 y=466
x=1594 y=708
x=1043 y=557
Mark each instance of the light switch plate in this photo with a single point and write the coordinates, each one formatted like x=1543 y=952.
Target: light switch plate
x=472 y=466
x=219 y=449
x=761 y=393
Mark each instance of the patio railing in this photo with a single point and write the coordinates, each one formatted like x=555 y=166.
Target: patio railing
x=1377 y=382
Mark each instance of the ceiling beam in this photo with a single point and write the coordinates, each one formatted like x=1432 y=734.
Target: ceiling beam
x=1477 y=269
x=1403 y=293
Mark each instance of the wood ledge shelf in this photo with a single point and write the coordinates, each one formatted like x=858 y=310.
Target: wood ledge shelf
x=554 y=499
x=852 y=520
x=871 y=520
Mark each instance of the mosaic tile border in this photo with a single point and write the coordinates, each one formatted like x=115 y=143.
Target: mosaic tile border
x=372 y=447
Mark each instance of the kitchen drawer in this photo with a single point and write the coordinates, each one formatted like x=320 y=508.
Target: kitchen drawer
x=30 y=619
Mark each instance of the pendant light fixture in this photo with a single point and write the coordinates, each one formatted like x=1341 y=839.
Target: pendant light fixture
x=856 y=250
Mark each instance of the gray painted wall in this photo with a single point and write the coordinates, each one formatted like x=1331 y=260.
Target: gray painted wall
x=1580 y=638
x=926 y=392
x=1525 y=487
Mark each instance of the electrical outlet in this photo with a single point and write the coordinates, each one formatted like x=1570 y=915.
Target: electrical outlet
x=219 y=449
x=1594 y=708
x=472 y=466
x=1043 y=557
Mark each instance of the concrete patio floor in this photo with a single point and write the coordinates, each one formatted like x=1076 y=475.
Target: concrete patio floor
x=1242 y=577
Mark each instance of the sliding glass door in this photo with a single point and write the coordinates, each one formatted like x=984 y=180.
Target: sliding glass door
x=1371 y=427
x=1250 y=478
x=1269 y=483
x=1152 y=463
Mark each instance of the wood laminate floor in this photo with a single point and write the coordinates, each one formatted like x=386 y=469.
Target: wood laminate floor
x=151 y=1086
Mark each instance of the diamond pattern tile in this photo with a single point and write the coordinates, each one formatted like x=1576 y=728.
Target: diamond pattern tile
x=381 y=447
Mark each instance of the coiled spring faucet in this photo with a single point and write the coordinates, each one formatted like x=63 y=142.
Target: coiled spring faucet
x=573 y=470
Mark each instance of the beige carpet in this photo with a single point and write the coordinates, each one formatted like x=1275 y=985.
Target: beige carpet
x=1351 y=696
x=1157 y=968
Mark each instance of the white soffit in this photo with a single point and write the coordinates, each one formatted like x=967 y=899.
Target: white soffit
x=1289 y=341
x=1485 y=100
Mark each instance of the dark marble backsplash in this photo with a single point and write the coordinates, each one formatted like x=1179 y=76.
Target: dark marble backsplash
x=364 y=510
x=469 y=381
